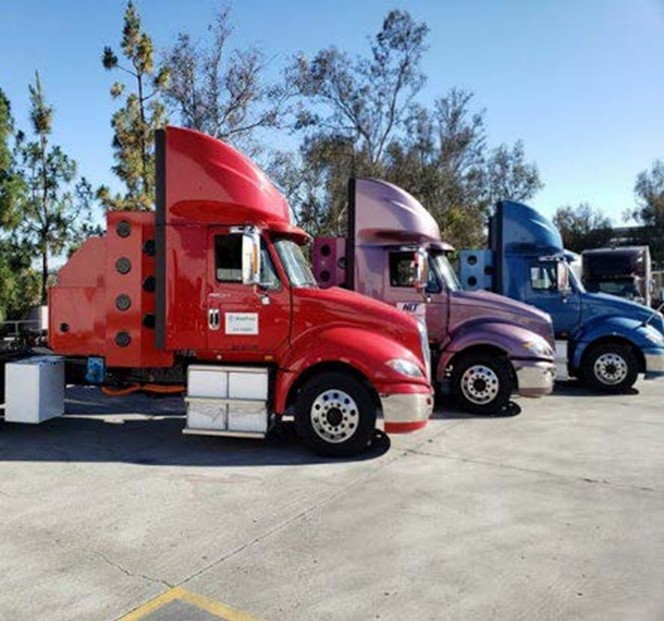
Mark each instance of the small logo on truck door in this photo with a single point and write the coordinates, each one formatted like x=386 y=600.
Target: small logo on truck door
x=241 y=323
x=414 y=308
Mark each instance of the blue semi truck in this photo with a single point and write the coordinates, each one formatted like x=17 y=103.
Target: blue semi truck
x=603 y=340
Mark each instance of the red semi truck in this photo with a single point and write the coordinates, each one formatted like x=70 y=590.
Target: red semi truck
x=483 y=345
x=212 y=292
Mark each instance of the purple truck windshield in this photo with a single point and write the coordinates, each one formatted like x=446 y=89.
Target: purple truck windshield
x=444 y=271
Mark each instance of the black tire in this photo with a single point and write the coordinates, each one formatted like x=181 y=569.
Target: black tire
x=482 y=383
x=335 y=415
x=610 y=368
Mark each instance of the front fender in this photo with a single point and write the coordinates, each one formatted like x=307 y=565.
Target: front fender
x=507 y=337
x=363 y=350
x=631 y=330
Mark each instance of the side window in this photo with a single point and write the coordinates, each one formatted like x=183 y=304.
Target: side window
x=402 y=269
x=228 y=258
x=269 y=278
x=433 y=285
x=543 y=277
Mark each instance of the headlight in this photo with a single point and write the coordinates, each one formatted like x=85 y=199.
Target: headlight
x=653 y=335
x=538 y=348
x=405 y=367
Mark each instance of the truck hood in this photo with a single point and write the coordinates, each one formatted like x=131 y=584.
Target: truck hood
x=484 y=304
x=343 y=307
x=600 y=304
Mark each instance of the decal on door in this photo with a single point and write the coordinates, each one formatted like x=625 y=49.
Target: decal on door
x=418 y=309
x=241 y=323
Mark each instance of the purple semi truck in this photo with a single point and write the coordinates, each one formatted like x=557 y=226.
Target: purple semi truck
x=483 y=345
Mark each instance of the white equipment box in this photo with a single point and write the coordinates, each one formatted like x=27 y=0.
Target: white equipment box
x=34 y=389
x=561 y=361
x=224 y=400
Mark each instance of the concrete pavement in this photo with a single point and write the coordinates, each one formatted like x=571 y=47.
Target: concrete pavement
x=554 y=513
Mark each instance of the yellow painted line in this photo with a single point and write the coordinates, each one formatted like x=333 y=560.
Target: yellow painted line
x=152 y=605
x=200 y=602
x=215 y=608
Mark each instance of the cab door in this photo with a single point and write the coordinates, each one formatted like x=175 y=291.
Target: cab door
x=400 y=290
x=244 y=320
x=543 y=292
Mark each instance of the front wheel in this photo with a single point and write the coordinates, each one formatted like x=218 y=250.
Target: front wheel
x=610 y=368
x=482 y=383
x=335 y=415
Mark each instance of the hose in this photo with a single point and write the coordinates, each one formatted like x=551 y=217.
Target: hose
x=153 y=388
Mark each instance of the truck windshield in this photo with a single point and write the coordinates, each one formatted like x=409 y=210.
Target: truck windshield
x=296 y=266
x=622 y=287
x=444 y=271
x=574 y=281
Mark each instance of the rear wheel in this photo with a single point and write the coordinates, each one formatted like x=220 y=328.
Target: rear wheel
x=482 y=383
x=610 y=368
x=335 y=415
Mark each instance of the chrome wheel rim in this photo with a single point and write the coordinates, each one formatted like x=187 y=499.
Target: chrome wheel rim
x=610 y=369
x=480 y=384
x=334 y=416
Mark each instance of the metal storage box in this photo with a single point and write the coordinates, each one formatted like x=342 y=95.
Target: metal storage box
x=207 y=381
x=227 y=400
x=35 y=389
x=225 y=382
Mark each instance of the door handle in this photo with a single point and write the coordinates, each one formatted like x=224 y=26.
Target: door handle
x=213 y=318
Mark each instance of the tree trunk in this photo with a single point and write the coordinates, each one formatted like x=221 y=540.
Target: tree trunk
x=44 y=293
x=144 y=155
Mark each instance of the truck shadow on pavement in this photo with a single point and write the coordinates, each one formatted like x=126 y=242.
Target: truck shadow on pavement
x=444 y=408
x=143 y=430
x=574 y=388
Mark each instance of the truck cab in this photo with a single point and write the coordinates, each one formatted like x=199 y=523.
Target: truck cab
x=604 y=340
x=623 y=271
x=212 y=292
x=483 y=346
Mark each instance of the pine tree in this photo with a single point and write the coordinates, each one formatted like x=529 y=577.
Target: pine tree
x=11 y=185
x=134 y=123
x=17 y=290
x=53 y=211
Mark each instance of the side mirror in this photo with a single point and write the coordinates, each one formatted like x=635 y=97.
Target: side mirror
x=251 y=257
x=421 y=269
x=562 y=274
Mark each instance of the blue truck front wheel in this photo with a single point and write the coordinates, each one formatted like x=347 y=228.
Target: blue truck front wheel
x=610 y=368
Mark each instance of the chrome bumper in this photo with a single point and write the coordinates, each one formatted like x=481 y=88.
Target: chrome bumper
x=654 y=365
x=406 y=411
x=535 y=379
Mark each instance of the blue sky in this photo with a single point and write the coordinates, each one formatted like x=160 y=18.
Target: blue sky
x=580 y=82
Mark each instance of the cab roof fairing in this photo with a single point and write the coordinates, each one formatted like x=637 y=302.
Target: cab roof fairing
x=386 y=213
x=206 y=181
x=522 y=230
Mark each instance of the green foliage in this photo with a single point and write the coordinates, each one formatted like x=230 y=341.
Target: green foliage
x=20 y=284
x=363 y=100
x=140 y=115
x=441 y=161
x=583 y=228
x=649 y=211
x=358 y=117
x=510 y=176
x=11 y=184
x=53 y=209
x=649 y=190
